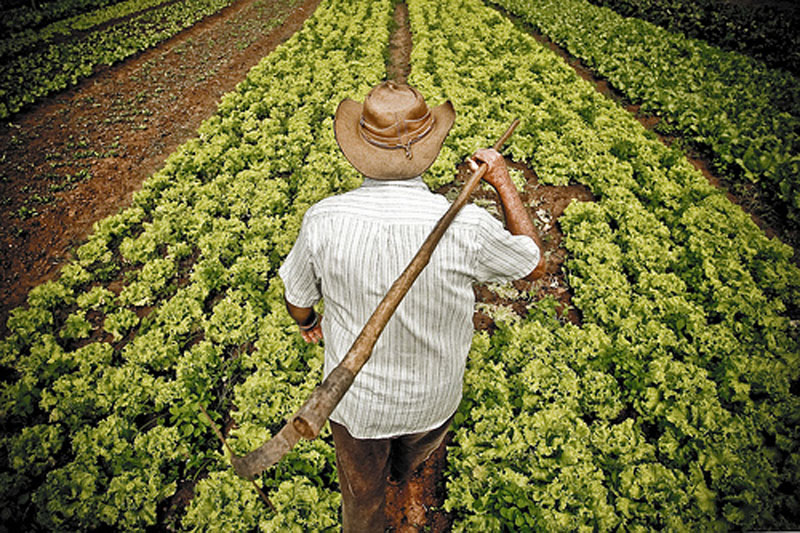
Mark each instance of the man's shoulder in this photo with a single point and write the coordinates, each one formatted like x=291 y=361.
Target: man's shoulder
x=473 y=215
x=375 y=201
x=332 y=204
x=401 y=205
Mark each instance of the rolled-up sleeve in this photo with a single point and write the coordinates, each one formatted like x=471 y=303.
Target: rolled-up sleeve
x=299 y=275
x=502 y=256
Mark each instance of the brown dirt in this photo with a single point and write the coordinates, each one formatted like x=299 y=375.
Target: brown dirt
x=399 y=46
x=415 y=505
x=79 y=156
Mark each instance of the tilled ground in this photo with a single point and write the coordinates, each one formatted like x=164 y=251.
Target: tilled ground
x=79 y=156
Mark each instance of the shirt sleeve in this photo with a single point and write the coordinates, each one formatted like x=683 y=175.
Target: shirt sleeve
x=502 y=256
x=300 y=279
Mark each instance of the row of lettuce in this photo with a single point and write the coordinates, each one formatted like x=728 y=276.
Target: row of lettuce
x=19 y=15
x=46 y=64
x=17 y=42
x=745 y=114
x=673 y=406
x=764 y=31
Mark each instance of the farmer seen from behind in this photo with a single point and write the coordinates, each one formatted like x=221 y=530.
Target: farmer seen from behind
x=350 y=250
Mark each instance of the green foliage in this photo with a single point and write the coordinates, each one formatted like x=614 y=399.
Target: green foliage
x=743 y=112
x=33 y=74
x=76 y=327
x=120 y=322
x=688 y=338
x=233 y=321
x=26 y=324
x=198 y=252
x=762 y=31
x=49 y=295
x=149 y=283
x=22 y=39
x=98 y=298
x=117 y=476
x=31 y=16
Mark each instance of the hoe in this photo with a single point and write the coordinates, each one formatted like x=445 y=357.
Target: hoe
x=310 y=418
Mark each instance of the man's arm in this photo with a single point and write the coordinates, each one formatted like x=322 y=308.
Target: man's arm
x=307 y=320
x=518 y=221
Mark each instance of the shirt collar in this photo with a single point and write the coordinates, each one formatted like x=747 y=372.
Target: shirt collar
x=415 y=183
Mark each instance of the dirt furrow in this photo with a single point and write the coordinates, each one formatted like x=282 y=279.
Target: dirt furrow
x=79 y=156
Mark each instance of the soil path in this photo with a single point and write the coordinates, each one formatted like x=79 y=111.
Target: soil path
x=79 y=156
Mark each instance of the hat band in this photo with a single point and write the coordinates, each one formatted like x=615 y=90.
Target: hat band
x=400 y=137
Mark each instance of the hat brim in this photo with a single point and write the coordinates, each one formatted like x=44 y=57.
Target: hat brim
x=389 y=164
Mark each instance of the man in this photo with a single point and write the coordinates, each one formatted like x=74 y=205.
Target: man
x=350 y=250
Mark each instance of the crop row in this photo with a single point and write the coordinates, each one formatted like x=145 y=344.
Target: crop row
x=55 y=66
x=35 y=14
x=173 y=301
x=17 y=42
x=673 y=406
x=766 y=32
x=743 y=112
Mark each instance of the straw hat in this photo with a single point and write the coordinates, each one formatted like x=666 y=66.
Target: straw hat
x=393 y=135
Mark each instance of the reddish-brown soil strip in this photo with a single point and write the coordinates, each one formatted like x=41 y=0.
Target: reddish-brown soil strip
x=399 y=46
x=118 y=126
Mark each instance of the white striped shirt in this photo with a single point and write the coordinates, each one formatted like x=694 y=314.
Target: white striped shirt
x=350 y=250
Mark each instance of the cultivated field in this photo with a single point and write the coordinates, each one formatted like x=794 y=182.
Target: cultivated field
x=650 y=381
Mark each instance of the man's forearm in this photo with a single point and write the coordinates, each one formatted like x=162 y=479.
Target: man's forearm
x=307 y=319
x=519 y=222
x=302 y=315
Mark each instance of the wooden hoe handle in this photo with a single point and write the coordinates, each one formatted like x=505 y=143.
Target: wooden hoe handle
x=311 y=417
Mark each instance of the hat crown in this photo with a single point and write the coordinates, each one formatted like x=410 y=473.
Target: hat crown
x=393 y=134
x=390 y=103
x=395 y=116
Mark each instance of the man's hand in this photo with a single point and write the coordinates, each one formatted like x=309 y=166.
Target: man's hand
x=313 y=335
x=497 y=174
x=309 y=322
x=518 y=220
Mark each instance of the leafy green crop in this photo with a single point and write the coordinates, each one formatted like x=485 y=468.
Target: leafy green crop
x=744 y=113
x=763 y=31
x=174 y=303
x=17 y=41
x=36 y=73
x=40 y=13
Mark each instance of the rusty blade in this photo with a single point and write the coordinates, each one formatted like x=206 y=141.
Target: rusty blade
x=268 y=454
